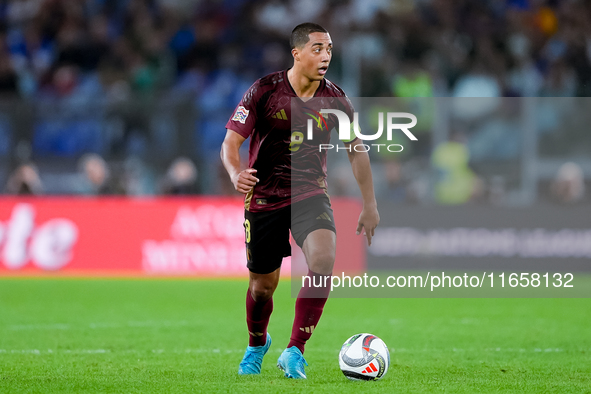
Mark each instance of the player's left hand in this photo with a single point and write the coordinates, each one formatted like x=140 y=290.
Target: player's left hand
x=368 y=220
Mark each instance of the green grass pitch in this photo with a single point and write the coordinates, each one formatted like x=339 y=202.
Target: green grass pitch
x=142 y=336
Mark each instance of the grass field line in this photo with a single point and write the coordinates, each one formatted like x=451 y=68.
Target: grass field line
x=276 y=350
x=65 y=326
x=184 y=323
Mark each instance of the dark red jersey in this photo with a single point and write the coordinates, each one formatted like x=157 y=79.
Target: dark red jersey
x=290 y=167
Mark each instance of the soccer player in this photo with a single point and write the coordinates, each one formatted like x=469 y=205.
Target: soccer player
x=274 y=206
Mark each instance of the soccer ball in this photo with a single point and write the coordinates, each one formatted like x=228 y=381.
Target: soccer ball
x=364 y=357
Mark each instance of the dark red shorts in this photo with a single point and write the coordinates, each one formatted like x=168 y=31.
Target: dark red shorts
x=267 y=233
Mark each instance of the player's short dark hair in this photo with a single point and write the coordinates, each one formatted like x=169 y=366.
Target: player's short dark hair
x=299 y=35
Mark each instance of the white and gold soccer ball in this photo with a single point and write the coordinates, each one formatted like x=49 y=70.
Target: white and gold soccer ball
x=364 y=357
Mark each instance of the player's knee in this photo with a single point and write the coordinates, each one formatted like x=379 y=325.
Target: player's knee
x=262 y=292
x=322 y=262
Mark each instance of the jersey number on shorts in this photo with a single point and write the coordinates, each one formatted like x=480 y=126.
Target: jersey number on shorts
x=296 y=140
x=247 y=230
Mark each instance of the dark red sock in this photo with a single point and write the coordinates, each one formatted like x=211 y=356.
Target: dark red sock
x=257 y=319
x=308 y=309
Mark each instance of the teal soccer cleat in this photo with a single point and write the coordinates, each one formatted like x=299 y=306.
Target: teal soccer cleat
x=253 y=358
x=292 y=363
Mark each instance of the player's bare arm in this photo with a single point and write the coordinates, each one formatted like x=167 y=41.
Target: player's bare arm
x=369 y=217
x=243 y=180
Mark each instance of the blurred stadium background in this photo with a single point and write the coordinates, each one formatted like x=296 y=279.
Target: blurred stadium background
x=148 y=85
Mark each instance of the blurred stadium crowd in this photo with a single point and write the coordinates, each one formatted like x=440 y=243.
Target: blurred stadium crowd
x=131 y=96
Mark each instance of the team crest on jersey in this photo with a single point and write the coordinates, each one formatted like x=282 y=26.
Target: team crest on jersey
x=318 y=118
x=241 y=114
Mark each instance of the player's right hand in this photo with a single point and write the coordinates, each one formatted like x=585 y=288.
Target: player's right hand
x=245 y=180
